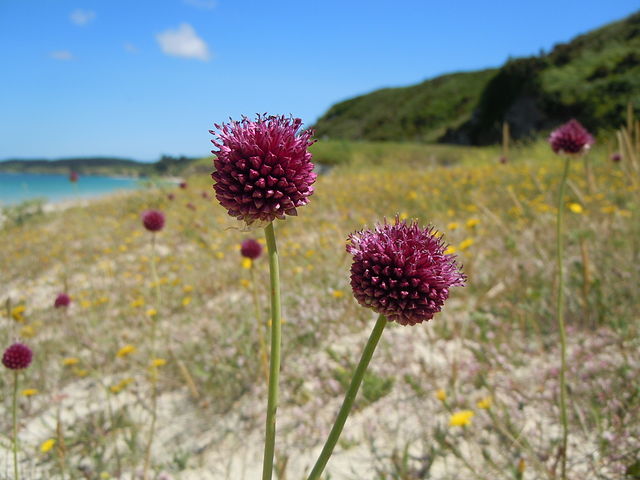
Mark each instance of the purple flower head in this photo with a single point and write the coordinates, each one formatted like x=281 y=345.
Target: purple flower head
x=571 y=139
x=251 y=248
x=183 y=185
x=153 y=220
x=616 y=157
x=62 y=300
x=17 y=356
x=263 y=168
x=402 y=272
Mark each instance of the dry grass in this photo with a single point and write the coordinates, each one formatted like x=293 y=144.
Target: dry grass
x=496 y=338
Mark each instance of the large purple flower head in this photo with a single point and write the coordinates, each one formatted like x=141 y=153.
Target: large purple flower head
x=402 y=272
x=263 y=167
x=17 y=356
x=571 y=139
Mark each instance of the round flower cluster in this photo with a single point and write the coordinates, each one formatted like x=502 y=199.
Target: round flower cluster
x=570 y=139
x=17 y=356
x=62 y=300
x=263 y=168
x=250 y=248
x=402 y=272
x=153 y=220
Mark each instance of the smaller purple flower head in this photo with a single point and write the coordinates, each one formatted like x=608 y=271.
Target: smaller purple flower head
x=62 y=300
x=250 y=248
x=17 y=356
x=402 y=272
x=153 y=220
x=263 y=168
x=616 y=157
x=571 y=139
x=183 y=185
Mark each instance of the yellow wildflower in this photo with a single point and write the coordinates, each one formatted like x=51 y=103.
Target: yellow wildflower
x=187 y=289
x=337 y=293
x=452 y=226
x=575 y=207
x=85 y=303
x=126 y=350
x=404 y=216
x=412 y=195
x=47 y=445
x=461 y=419
x=472 y=222
x=17 y=313
x=186 y=301
x=485 y=403
x=219 y=255
x=138 y=302
x=309 y=253
x=245 y=283
x=152 y=312
x=465 y=244
x=27 y=331
x=441 y=394
x=158 y=362
x=449 y=250
x=247 y=263
x=80 y=372
x=105 y=476
x=69 y=361
x=29 y=392
x=121 y=385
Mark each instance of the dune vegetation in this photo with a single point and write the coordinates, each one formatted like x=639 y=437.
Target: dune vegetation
x=472 y=393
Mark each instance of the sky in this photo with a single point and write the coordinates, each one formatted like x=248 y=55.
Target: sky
x=140 y=78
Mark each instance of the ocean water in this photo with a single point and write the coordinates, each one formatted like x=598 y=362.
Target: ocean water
x=18 y=187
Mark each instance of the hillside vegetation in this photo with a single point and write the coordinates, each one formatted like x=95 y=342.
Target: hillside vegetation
x=593 y=78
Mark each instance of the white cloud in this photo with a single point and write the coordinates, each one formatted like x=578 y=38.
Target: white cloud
x=204 y=4
x=61 y=55
x=82 y=17
x=131 y=48
x=183 y=42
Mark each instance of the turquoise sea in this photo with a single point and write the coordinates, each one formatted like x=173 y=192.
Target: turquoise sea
x=18 y=187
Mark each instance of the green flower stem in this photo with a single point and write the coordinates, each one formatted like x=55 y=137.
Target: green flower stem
x=560 y=316
x=349 y=398
x=264 y=360
x=154 y=369
x=274 y=366
x=15 y=425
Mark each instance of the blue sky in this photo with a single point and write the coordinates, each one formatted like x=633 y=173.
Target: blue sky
x=142 y=78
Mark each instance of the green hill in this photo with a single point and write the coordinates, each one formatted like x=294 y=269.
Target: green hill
x=592 y=78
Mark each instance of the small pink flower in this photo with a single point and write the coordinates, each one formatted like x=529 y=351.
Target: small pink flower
x=263 y=168
x=62 y=300
x=251 y=248
x=571 y=139
x=153 y=220
x=17 y=356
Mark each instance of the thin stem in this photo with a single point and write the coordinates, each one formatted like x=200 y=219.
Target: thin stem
x=560 y=316
x=274 y=367
x=349 y=398
x=154 y=368
x=15 y=425
x=264 y=360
